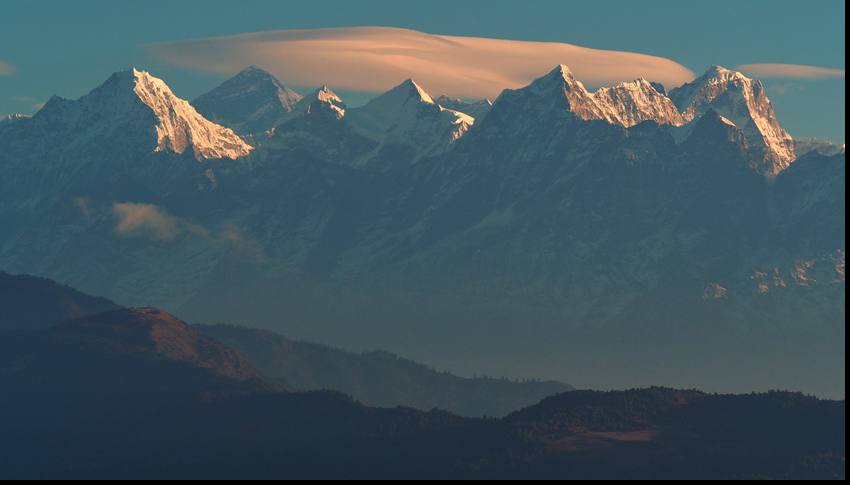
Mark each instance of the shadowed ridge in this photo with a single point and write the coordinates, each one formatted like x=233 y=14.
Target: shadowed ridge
x=157 y=332
x=30 y=303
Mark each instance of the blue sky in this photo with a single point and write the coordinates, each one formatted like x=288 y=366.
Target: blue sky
x=67 y=48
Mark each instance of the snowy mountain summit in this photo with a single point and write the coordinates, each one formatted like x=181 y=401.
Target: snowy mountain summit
x=251 y=102
x=143 y=112
x=407 y=123
x=625 y=104
x=321 y=102
x=736 y=98
x=742 y=101
x=180 y=127
x=408 y=114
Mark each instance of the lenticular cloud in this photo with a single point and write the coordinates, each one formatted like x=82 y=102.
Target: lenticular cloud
x=377 y=58
x=791 y=71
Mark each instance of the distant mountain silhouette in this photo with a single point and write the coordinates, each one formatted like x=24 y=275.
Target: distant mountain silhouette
x=376 y=378
x=379 y=378
x=29 y=303
x=648 y=434
x=142 y=355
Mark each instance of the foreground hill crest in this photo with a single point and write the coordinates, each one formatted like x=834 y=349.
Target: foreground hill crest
x=157 y=332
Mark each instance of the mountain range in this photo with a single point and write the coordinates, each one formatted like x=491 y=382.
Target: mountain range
x=77 y=327
x=141 y=394
x=592 y=236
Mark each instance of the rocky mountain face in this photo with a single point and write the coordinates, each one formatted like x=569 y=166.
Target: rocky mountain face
x=251 y=103
x=138 y=106
x=577 y=230
x=408 y=124
x=744 y=102
x=803 y=146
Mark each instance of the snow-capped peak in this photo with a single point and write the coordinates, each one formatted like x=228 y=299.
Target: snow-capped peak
x=180 y=127
x=325 y=95
x=630 y=103
x=625 y=104
x=322 y=100
x=407 y=94
x=718 y=73
x=415 y=90
x=254 y=78
x=742 y=101
x=558 y=78
x=561 y=71
x=400 y=104
x=251 y=102
x=143 y=111
x=407 y=114
x=739 y=100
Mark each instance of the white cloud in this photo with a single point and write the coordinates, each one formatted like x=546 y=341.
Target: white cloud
x=148 y=220
x=6 y=69
x=377 y=58
x=145 y=219
x=84 y=205
x=791 y=71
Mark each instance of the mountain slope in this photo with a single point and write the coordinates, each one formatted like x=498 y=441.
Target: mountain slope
x=317 y=129
x=641 y=434
x=28 y=303
x=142 y=355
x=140 y=110
x=721 y=435
x=744 y=102
x=476 y=109
x=406 y=118
x=251 y=103
x=803 y=146
x=379 y=378
x=180 y=127
x=625 y=104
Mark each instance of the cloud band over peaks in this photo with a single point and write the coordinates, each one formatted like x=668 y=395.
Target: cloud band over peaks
x=791 y=71
x=377 y=58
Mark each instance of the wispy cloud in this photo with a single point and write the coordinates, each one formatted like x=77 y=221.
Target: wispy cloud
x=791 y=71
x=149 y=220
x=84 y=205
x=242 y=244
x=32 y=102
x=783 y=88
x=145 y=219
x=377 y=58
x=7 y=69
